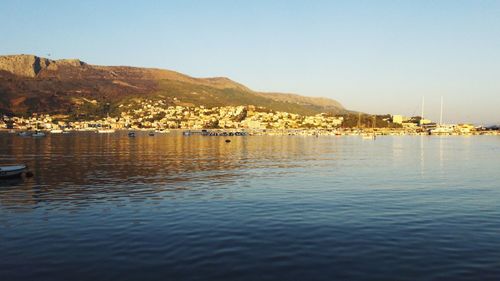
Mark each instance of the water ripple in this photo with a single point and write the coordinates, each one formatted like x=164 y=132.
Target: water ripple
x=259 y=208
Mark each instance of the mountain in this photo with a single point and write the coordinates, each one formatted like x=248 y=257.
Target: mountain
x=30 y=84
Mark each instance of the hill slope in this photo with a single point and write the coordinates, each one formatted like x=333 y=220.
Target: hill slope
x=31 y=84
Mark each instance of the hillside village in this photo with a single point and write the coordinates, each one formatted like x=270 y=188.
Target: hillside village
x=146 y=114
x=156 y=114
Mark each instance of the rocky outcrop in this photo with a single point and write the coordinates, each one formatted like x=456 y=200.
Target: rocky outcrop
x=70 y=62
x=23 y=65
x=30 y=66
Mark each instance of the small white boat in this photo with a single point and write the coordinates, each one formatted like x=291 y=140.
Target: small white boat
x=12 y=171
x=106 y=131
x=369 y=136
x=56 y=131
x=442 y=130
x=24 y=134
x=38 y=134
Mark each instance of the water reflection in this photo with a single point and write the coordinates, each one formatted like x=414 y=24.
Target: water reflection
x=88 y=166
x=259 y=208
x=422 y=155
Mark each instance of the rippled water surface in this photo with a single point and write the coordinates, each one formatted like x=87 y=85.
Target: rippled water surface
x=109 y=207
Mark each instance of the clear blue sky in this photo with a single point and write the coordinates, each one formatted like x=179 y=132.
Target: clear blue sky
x=373 y=56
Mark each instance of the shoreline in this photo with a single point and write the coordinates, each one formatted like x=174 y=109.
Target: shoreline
x=269 y=132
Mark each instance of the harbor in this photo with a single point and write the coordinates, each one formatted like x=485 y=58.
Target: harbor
x=159 y=117
x=465 y=130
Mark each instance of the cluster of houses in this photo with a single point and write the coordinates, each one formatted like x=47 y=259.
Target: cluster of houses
x=149 y=114
x=156 y=114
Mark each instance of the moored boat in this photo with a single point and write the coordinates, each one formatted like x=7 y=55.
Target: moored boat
x=12 y=171
x=131 y=134
x=106 y=131
x=442 y=130
x=38 y=134
x=368 y=136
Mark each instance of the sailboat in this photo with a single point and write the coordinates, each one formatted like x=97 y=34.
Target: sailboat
x=442 y=129
x=422 y=115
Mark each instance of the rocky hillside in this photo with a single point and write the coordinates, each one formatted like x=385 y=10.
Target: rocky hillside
x=31 y=84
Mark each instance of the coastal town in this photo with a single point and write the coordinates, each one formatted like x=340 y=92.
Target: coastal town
x=158 y=116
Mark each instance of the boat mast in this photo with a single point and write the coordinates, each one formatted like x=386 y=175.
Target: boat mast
x=422 y=115
x=373 y=124
x=441 y=114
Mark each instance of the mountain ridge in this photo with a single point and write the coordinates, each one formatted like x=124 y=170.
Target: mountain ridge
x=32 y=84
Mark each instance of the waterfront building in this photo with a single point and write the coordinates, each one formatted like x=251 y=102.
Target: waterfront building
x=397 y=119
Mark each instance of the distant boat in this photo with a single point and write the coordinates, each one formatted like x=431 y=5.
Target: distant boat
x=162 y=131
x=151 y=134
x=24 y=134
x=131 y=134
x=56 y=131
x=368 y=136
x=106 y=131
x=442 y=129
x=12 y=171
x=38 y=134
